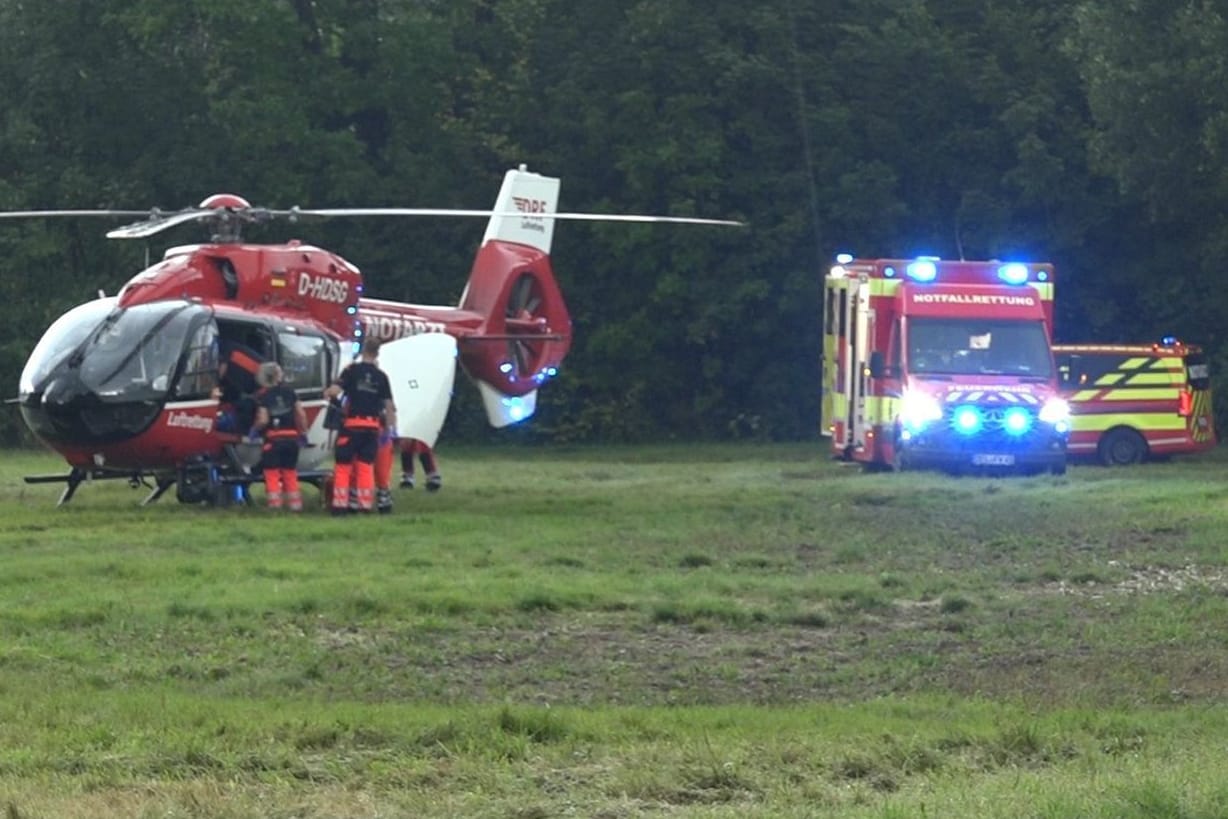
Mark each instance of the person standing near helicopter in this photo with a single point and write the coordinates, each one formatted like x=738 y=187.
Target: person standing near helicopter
x=413 y=448
x=281 y=419
x=368 y=406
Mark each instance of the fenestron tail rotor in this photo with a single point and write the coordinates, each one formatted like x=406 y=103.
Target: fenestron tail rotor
x=524 y=326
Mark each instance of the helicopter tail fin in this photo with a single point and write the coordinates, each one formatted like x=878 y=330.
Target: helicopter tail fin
x=526 y=331
x=517 y=218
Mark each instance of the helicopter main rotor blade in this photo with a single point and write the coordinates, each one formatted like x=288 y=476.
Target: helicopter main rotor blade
x=157 y=224
x=36 y=214
x=296 y=212
x=591 y=217
x=635 y=217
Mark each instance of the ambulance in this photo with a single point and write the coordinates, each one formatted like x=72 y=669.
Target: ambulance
x=1134 y=402
x=942 y=364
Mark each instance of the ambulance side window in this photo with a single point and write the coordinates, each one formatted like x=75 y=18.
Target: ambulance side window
x=1065 y=369
x=896 y=360
x=1091 y=368
x=1199 y=371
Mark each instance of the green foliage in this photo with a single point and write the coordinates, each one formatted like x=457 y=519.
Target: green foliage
x=1085 y=134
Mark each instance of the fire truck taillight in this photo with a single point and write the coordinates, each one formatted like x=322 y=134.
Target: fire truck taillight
x=1185 y=403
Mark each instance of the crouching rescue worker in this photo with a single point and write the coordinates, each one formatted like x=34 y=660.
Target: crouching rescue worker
x=368 y=406
x=280 y=418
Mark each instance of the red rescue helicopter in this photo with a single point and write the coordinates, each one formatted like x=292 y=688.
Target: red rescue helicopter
x=123 y=386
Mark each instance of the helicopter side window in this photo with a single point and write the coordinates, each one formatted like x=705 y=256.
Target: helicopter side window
x=201 y=364
x=306 y=361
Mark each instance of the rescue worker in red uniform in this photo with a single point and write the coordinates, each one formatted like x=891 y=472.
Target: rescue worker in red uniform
x=413 y=448
x=383 y=469
x=281 y=419
x=368 y=406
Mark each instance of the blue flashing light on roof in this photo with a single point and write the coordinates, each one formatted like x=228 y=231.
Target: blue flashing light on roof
x=1168 y=341
x=1042 y=275
x=922 y=270
x=844 y=258
x=1013 y=273
x=889 y=272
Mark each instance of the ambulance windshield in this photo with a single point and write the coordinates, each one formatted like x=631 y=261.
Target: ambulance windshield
x=950 y=346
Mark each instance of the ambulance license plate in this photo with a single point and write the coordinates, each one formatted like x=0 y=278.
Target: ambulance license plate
x=993 y=460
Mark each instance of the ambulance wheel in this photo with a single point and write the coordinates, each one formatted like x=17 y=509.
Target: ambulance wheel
x=1121 y=447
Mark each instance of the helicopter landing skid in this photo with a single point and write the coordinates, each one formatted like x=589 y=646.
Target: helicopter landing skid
x=203 y=484
x=76 y=476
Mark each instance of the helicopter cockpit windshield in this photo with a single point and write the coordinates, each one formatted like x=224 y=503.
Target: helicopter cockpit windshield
x=123 y=354
x=101 y=356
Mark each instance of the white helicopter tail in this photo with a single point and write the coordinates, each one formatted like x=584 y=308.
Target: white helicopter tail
x=522 y=200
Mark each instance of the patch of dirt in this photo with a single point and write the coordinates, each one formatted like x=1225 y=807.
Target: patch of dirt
x=1150 y=580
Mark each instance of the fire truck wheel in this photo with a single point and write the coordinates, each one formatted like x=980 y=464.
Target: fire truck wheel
x=1121 y=447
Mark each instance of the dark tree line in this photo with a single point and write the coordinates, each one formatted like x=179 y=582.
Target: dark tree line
x=1090 y=134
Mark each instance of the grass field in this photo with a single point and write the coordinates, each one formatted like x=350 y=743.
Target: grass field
x=716 y=631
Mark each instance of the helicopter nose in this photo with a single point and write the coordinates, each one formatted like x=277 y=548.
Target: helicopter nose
x=67 y=411
x=60 y=394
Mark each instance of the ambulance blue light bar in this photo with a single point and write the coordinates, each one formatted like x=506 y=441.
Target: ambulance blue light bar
x=1014 y=273
x=922 y=270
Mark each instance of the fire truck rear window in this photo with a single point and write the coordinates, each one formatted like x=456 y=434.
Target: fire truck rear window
x=1199 y=371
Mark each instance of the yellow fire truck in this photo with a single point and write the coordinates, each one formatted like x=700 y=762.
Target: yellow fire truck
x=1132 y=402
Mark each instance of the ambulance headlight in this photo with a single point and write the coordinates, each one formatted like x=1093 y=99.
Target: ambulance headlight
x=918 y=409
x=1056 y=412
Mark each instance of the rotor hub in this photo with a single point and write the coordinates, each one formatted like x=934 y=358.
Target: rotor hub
x=219 y=201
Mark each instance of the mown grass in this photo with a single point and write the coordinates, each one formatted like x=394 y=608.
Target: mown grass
x=693 y=631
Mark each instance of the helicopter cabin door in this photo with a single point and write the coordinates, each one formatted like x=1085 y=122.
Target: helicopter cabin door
x=421 y=369
x=848 y=324
x=860 y=322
